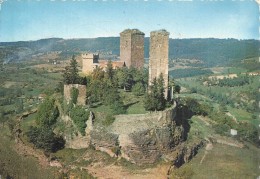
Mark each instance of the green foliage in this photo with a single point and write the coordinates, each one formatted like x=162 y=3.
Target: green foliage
x=45 y=138
x=71 y=75
x=196 y=107
x=109 y=119
x=118 y=107
x=155 y=100
x=138 y=89
x=248 y=132
x=47 y=113
x=189 y=72
x=79 y=116
x=109 y=71
x=177 y=88
x=231 y=82
x=74 y=95
x=222 y=129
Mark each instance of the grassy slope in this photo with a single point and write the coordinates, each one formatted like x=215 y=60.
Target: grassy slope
x=18 y=166
x=223 y=161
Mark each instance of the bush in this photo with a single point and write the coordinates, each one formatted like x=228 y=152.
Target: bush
x=45 y=138
x=74 y=95
x=108 y=120
x=248 y=131
x=47 y=113
x=222 y=129
x=138 y=89
x=79 y=116
x=118 y=107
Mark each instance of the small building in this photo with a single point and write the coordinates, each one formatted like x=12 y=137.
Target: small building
x=233 y=132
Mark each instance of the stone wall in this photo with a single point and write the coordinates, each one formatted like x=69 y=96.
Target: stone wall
x=81 y=100
x=159 y=52
x=142 y=138
x=132 y=48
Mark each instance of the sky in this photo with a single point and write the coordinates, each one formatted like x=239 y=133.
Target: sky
x=22 y=20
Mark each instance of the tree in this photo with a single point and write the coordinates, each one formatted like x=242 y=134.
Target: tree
x=138 y=89
x=45 y=138
x=74 y=93
x=47 y=113
x=71 y=75
x=155 y=99
x=109 y=71
x=178 y=88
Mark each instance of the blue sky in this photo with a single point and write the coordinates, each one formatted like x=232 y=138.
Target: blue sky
x=32 y=19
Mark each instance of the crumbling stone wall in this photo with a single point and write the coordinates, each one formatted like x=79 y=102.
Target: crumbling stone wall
x=159 y=54
x=81 y=100
x=132 y=48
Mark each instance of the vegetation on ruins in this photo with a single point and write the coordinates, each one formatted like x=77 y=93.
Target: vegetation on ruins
x=47 y=113
x=71 y=75
x=42 y=135
x=74 y=93
x=79 y=116
x=155 y=99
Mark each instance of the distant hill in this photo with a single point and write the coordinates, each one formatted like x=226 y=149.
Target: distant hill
x=213 y=52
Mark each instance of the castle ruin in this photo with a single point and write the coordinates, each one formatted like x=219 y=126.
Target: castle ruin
x=132 y=48
x=159 y=53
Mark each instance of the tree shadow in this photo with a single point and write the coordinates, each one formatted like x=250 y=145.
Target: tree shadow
x=130 y=104
x=183 y=114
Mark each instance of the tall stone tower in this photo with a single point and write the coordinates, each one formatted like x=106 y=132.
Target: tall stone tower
x=159 y=53
x=132 y=48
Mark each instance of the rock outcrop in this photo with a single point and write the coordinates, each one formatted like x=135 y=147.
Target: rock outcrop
x=141 y=138
x=144 y=138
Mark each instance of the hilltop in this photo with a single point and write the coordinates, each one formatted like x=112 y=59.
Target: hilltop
x=212 y=52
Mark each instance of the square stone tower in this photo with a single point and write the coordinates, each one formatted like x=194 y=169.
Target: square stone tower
x=159 y=53
x=89 y=62
x=132 y=48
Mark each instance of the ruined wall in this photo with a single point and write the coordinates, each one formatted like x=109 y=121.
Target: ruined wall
x=81 y=100
x=89 y=62
x=142 y=138
x=159 y=53
x=132 y=48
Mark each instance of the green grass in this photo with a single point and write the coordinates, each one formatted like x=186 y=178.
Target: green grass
x=133 y=103
x=28 y=121
x=226 y=162
x=240 y=114
x=17 y=166
x=199 y=129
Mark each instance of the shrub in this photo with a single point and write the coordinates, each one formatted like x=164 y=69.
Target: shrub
x=47 y=113
x=108 y=120
x=138 y=89
x=79 y=116
x=221 y=128
x=45 y=138
x=74 y=95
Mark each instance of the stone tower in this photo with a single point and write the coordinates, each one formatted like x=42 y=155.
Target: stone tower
x=89 y=62
x=132 y=48
x=159 y=52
